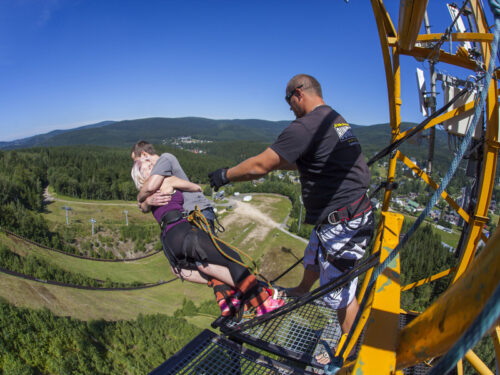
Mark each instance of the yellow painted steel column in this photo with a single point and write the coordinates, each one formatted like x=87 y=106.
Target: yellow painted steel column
x=476 y=362
x=378 y=350
x=486 y=183
x=411 y=16
x=487 y=178
x=393 y=80
x=432 y=333
x=495 y=336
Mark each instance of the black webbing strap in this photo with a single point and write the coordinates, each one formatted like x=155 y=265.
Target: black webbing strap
x=387 y=150
x=287 y=270
x=340 y=281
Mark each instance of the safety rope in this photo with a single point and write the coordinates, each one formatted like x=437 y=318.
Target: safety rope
x=486 y=318
x=334 y=367
x=200 y=221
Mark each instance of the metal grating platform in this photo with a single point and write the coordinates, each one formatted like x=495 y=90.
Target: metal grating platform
x=294 y=335
x=209 y=354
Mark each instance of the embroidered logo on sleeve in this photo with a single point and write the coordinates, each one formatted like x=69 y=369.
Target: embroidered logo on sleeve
x=345 y=134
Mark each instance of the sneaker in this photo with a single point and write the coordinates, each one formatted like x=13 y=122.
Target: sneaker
x=229 y=309
x=269 y=305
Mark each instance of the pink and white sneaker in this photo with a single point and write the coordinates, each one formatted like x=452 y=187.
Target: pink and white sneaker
x=269 y=305
x=229 y=308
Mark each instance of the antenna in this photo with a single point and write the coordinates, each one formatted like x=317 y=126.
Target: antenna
x=93 y=221
x=459 y=24
x=67 y=208
x=422 y=92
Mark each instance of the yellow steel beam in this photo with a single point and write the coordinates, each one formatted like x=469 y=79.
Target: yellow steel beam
x=411 y=16
x=378 y=350
x=392 y=74
x=390 y=30
x=434 y=331
x=427 y=179
x=487 y=177
x=425 y=53
x=476 y=362
x=495 y=336
x=458 y=37
x=486 y=182
x=427 y=279
x=482 y=27
x=464 y=109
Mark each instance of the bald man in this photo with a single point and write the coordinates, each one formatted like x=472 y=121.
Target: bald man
x=334 y=178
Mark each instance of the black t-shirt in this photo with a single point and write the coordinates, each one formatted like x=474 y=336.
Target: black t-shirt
x=333 y=171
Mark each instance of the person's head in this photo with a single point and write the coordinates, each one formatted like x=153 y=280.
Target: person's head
x=303 y=94
x=142 y=149
x=140 y=172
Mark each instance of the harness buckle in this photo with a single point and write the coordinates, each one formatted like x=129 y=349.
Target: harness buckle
x=336 y=218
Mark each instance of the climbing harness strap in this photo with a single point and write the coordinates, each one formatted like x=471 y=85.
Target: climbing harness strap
x=349 y=212
x=170 y=217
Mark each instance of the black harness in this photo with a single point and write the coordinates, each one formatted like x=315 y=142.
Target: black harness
x=344 y=214
x=190 y=245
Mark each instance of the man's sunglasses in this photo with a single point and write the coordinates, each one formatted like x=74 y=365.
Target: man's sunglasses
x=292 y=93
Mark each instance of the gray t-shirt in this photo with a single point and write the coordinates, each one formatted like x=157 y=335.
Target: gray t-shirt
x=168 y=165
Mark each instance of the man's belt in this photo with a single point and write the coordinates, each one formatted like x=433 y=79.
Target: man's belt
x=349 y=212
x=170 y=217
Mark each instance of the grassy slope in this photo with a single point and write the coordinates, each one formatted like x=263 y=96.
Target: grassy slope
x=272 y=251
x=88 y=304
x=148 y=270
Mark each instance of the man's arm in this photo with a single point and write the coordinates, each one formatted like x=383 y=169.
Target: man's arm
x=156 y=199
x=258 y=166
x=151 y=185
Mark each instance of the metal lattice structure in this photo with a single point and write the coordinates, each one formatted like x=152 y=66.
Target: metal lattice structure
x=209 y=354
x=294 y=335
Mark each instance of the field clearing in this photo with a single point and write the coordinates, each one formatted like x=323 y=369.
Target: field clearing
x=82 y=211
x=252 y=227
x=108 y=305
x=275 y=206
x=278 y=252
x=149 y=270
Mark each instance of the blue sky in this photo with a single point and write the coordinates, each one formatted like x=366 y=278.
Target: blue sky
x=65 y=63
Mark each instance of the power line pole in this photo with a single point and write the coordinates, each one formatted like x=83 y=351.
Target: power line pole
x=67 y=208
x=93 y=221
x=300 y=215
x=126 y=216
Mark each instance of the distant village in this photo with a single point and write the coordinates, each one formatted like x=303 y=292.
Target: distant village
x=187 y=143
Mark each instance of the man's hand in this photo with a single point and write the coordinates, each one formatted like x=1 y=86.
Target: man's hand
x=158 y=199
x=218 y=178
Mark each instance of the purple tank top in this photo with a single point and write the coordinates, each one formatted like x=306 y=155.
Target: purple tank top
x=174 y=204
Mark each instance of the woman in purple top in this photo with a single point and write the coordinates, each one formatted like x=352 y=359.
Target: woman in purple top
x=193 y=255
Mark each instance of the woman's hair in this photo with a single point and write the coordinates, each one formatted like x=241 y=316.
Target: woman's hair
x=136 y=174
